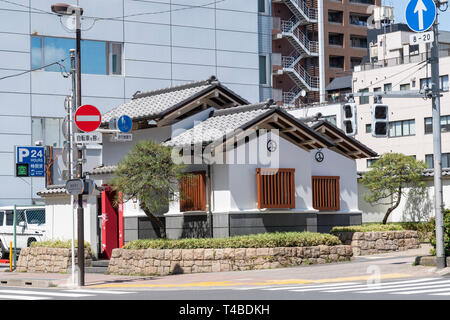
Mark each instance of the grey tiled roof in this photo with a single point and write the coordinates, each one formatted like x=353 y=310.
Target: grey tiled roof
x=340 y=83
x=53 y=190
x=153 y=103
x=221 y=123
x=103 y=170
x=426 y=173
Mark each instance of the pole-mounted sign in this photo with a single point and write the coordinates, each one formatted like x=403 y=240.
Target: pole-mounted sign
x=88 y=118
x=420 y=14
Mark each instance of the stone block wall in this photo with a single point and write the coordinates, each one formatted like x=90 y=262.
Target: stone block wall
x=40 y=259
x=366 y=243
x=172 y=261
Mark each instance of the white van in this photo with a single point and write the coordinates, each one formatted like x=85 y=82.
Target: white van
x=30 y=227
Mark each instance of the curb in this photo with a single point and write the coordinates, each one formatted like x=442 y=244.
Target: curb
x=36 y=283
x=429 y=261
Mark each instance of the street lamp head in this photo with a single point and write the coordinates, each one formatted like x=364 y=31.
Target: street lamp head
x=65 y=9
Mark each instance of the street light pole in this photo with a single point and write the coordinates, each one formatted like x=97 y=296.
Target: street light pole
x=437 y=151
x=66 y=9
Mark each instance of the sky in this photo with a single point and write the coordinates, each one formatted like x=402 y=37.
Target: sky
x=399 y=12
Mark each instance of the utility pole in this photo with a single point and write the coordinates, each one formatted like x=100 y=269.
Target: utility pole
x=71 y=137
x=437 y=154
x=66 y=9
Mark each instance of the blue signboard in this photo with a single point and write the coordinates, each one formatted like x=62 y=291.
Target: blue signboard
x=420 y=14
x=31 y=159
x=124 y=124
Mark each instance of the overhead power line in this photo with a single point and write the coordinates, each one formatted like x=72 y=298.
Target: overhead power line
x=59 y=62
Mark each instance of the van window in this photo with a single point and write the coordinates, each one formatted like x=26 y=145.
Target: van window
x=20 y=216
x=35 y=216
x=9 y=217
x=2 y=214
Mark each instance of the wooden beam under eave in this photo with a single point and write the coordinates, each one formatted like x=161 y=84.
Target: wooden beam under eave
x=291 y=129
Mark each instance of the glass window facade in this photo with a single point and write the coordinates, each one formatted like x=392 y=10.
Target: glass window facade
x=402 y=128
x=445 y=124
x=429 y=160
x=47 y=130
x=97 y=57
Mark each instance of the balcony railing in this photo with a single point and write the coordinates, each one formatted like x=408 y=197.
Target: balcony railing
x=400 y=60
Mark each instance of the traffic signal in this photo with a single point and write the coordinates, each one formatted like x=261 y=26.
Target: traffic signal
x=349 y=118
x=380 y=120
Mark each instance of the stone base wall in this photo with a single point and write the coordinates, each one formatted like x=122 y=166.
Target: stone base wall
x=366 y=243
x=39 y=259
x=172 y=261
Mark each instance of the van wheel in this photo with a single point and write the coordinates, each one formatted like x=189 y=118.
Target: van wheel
x=3 y=253
x=30 y=240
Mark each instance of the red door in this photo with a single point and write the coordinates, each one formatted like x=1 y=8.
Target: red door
x=111 y=215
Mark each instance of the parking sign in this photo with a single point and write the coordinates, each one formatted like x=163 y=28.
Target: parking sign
x=30 y=161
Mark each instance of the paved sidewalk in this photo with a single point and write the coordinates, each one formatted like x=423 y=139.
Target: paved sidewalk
x=387 y=266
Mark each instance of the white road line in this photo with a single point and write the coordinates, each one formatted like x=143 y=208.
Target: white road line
x=424 y=291
x=311 y=287
x=441 y=294
x=252 y=288
x=19 y=297
x=45 y=293
x=379 y=285
x=98 y=291
x=410 y=287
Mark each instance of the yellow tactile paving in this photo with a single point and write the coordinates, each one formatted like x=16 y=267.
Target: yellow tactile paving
x=262 y=283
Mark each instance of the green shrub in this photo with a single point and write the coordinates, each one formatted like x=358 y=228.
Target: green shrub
x=263 y=240
x=367 y=228
x=59 y=244
x=446 y=234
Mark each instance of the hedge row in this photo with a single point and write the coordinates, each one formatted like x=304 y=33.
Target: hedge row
x=60 y=244
x=263 y=240
x=367 y=228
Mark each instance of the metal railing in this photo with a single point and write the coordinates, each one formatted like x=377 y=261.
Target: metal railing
x=290 y=27
x=310 y=13
x=291 y=63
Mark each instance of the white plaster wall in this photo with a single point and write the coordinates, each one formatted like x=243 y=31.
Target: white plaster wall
x=335 y=164
x=411 y=208
x=113 y=152
x=242 y=177
x=58 y=215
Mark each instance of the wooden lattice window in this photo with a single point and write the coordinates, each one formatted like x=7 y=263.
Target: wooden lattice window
x=276 y=188
x=193 y=192
x=326 y=194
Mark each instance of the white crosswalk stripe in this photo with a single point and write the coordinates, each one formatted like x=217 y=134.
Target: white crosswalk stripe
x=31 y=294
x=431 y=286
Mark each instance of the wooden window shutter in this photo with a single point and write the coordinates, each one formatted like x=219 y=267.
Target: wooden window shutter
x=193 y=192
x=326 y=195
x=275 y=188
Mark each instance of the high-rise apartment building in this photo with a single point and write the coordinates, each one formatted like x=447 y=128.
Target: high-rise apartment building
x=315 y=41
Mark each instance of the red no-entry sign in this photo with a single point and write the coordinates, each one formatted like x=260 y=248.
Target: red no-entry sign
x=88 y=118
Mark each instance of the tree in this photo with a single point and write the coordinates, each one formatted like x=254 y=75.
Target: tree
x=148 y=173
x=388 y=178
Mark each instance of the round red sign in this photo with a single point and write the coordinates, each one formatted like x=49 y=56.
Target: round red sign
x=88 y=118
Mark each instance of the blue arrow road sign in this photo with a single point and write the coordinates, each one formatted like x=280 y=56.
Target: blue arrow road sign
x=420 y=14
x=124 y=123
x=34 y=157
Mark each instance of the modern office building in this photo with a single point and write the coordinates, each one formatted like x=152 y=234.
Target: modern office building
x=128 y=46
x=314 y=42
